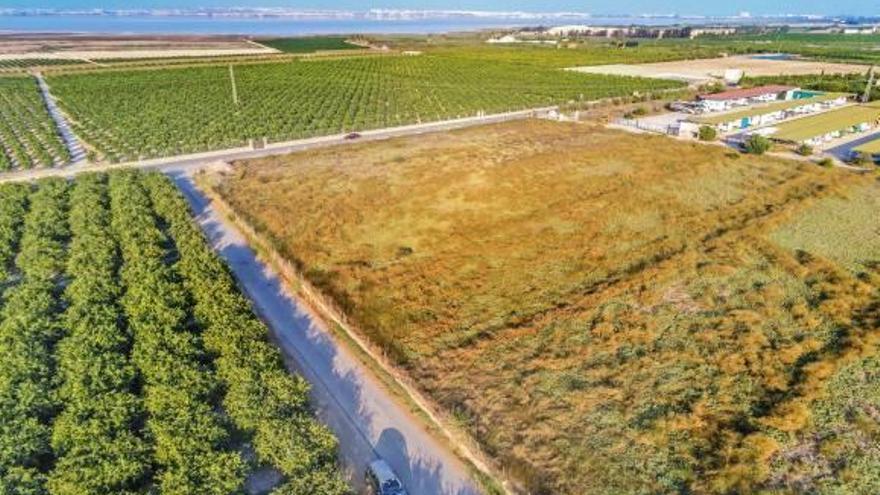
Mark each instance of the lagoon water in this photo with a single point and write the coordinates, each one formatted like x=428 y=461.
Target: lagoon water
x=283 y=26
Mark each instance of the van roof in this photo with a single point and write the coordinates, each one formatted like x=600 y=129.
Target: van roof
x=382 y=470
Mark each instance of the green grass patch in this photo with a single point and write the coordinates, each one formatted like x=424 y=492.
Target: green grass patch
x=310 y=44
x=843 y=228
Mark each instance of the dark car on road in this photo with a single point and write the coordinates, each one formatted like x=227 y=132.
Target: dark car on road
x=381 y=480
x=352 y=135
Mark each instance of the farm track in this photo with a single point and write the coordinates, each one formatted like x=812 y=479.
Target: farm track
x=368 y=420
x=77 y=152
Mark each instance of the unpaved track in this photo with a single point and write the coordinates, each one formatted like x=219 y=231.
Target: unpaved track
x=77 y=153
x=366 y=418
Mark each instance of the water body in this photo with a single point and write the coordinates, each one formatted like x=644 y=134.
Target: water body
x=281 y=26
x=775 y=56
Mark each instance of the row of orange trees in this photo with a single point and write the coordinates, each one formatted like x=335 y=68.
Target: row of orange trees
x=192 y=442
x=262 y=398
x=147 y=113
x=129 y=361
x=30 y=327
x=96 y=438
x=28 y=135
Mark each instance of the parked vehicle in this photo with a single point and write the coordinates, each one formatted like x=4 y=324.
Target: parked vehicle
x=381 y=480
x=352 y=135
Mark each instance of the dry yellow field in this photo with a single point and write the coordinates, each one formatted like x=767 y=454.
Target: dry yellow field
x=604 y=312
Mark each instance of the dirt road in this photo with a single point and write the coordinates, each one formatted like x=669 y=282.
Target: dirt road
x=368 y=421
x=77 y=152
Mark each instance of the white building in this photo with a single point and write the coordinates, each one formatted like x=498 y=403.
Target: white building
x=727 y=100
x=504 y=39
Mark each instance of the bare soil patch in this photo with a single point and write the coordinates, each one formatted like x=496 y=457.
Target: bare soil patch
x=102 y=47
x=713 y=68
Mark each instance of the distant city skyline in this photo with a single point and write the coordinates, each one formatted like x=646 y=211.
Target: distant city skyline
x=631 y=7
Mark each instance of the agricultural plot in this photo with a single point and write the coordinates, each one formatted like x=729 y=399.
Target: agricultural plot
x=606 y=313
x=129 y=362
x=711 y=69
x=310 y=44
x=127 y=115
x=28 y=135
x=25 y=63
x=833 y=47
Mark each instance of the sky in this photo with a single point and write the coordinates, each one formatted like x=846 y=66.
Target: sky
x=687 y=7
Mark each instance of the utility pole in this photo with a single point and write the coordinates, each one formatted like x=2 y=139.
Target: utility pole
x=234 y=89
x=867 y=96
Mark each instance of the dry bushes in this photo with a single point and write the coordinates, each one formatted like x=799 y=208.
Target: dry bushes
x=605 y=309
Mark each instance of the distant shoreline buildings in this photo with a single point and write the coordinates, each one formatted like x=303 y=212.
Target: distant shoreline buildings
x=653 y=32
x=548 y=34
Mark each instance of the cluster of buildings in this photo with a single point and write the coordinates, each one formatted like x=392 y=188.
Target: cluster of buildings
x=840 y=29
x=554 y=34
x=728 y=100
x=785 y=114
x=761 y=109
x=651 y=32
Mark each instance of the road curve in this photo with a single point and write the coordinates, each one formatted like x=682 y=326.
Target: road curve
x=368 y=421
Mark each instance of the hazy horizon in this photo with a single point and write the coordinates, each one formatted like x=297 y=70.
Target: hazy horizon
x=620 y=7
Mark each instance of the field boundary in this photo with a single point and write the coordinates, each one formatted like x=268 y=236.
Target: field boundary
x=463 y=445
x=274 y=149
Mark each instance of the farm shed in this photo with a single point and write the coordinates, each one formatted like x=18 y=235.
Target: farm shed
x=726 y=100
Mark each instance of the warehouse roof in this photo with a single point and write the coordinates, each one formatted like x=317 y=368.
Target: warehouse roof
x=738 y=94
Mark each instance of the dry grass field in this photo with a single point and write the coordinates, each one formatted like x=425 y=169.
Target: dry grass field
x=605 y=312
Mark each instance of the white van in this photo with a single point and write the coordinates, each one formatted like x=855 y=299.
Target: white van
x=381 y=480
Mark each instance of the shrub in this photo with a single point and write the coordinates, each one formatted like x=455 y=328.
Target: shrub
x=826 y=162
x=804 y=150
x=714 y=87
x=757 y=144
x=708 y=133
x=861 y=159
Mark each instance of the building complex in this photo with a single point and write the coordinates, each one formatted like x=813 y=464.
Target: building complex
x=771 y=113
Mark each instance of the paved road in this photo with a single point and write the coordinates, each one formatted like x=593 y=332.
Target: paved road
x=844 y=150
x=367 y=419
x=184 y=162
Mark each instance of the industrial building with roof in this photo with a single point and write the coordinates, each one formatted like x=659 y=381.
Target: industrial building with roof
x=771 y=113
x=726 y=100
